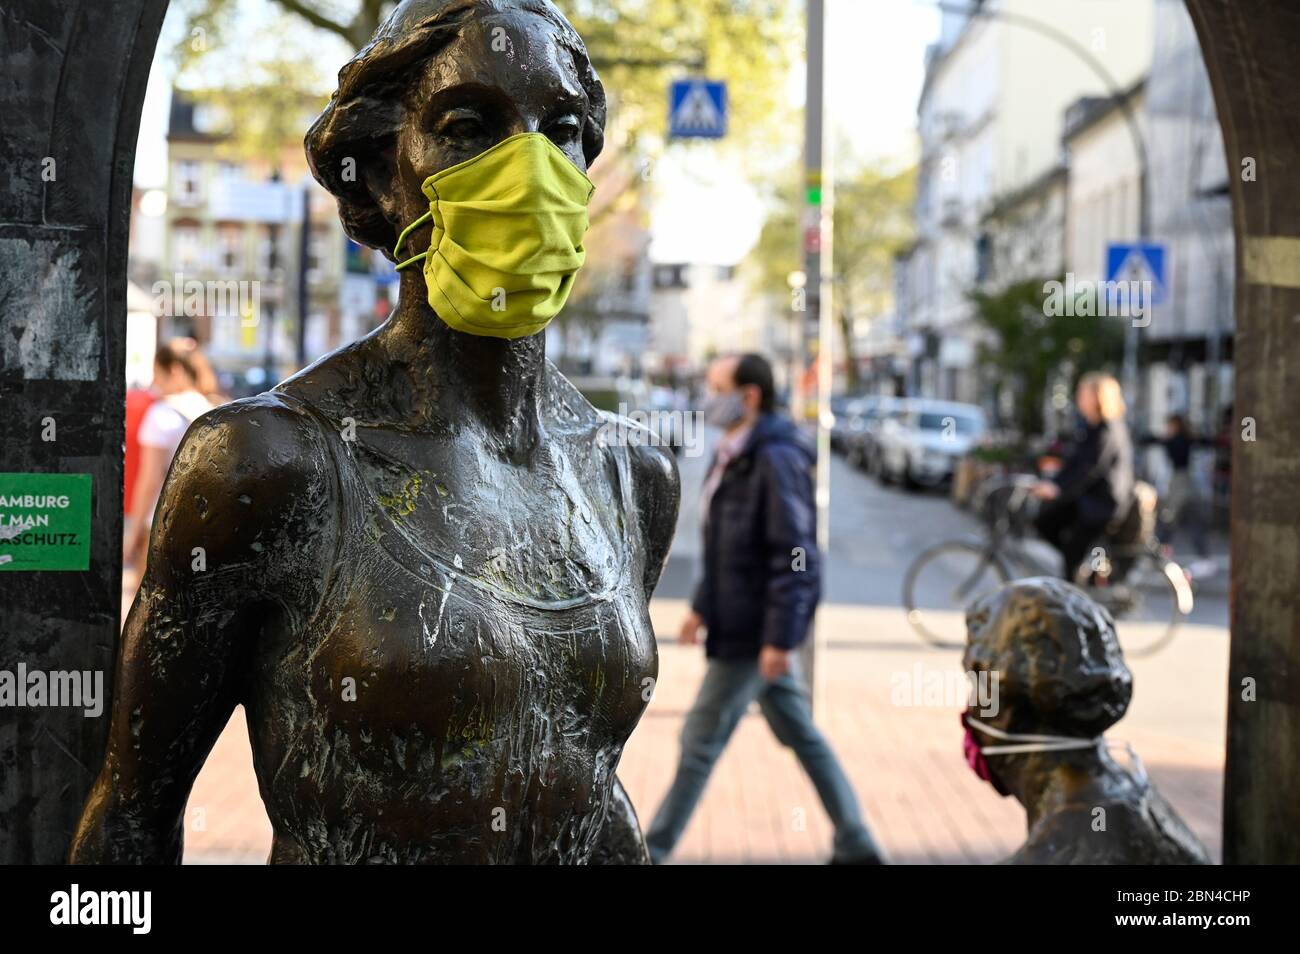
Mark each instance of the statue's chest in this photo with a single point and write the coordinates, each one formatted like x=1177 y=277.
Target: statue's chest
x=556 y=531
x=429 y=702
x=446 y=659
x=474 y=595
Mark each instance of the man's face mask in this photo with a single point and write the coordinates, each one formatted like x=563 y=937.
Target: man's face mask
x=507 y=237
x=724 y=410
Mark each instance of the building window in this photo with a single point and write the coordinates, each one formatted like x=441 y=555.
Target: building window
x=983 y=257
x=188 y=181
x=230 y=249
x=268 y=259
x=670 y=276
x=187 y=247
x=317 y=253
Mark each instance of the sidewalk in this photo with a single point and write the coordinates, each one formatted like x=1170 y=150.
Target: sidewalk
x=924 y=804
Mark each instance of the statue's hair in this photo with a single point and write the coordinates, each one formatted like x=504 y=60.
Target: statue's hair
x=1059 y=664
x=365 y=113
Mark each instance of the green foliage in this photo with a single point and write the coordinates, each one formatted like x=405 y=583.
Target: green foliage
x=1029 y=347
x=640 y=46
x=637 y=46
x=872 y=222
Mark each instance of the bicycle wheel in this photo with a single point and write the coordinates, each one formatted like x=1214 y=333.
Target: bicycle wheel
x=1148 y=606
x=942 y=582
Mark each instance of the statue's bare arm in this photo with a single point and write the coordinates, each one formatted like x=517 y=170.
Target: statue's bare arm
x=242 y=543
x=658 y=497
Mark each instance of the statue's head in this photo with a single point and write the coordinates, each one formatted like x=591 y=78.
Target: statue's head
x=440 y=82
x=1057 y=659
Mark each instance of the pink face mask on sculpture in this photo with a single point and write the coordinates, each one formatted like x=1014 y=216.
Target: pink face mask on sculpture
x=977 y=752
x=974 y=753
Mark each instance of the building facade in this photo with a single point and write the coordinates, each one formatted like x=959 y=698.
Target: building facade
x=990 y=120
x=242 y=239
x=1187 y=350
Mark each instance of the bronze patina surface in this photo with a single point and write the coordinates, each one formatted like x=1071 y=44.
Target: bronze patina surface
x=1060 y=672
x=415 y=563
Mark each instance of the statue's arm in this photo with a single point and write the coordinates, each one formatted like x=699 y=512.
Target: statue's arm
x=658 y=498
x=240 y=546
x=621 y=842
x=658 y=493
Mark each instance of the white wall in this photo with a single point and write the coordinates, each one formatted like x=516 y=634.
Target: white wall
x=1104 y=186
x=1040 y=77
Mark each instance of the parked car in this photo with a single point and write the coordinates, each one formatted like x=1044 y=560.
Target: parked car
x=844 y=408
x=863 y=428
x=919 y=445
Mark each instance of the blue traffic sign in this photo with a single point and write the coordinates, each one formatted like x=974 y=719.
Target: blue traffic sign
x=697 y=109
x=1138 y=262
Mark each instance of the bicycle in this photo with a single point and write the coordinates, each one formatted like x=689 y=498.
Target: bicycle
x=1134 y=581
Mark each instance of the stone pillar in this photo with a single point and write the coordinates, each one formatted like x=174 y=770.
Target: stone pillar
x=1250 y=50
x=74 y=75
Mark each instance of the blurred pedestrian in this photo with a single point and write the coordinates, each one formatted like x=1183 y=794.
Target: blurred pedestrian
x=1095 y=483
x=138 y=400
x=179 y=371
x=760 y=586
x=1222 y=477
x=1181 y=507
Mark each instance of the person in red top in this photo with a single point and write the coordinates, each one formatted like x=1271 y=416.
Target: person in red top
x=137 y=403
x=176 y=377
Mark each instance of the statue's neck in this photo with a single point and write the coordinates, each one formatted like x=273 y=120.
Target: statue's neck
x=493 y=384
x=1045 y=782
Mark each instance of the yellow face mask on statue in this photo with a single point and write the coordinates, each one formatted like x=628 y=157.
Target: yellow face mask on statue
x=507 y=237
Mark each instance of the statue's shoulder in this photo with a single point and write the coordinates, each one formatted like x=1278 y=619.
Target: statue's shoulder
x=653 y=467
x=251 y=481
x=262 y=436
x=340 y=383
x=566 y=407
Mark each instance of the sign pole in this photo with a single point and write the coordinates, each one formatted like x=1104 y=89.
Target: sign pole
x=817 y=331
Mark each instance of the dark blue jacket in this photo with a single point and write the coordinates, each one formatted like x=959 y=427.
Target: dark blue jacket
x=761 y=568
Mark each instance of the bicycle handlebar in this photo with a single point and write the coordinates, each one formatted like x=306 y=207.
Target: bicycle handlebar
x=1019 y=485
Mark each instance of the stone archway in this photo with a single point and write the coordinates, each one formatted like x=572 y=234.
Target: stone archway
x=1250 y=51
x=72 y=83
x=74 y=75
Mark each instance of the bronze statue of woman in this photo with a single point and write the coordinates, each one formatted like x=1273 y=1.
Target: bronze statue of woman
x=416 y=563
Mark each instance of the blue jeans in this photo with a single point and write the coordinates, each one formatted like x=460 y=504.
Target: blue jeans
x=728 y=688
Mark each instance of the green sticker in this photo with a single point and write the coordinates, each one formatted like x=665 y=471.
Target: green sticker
x=44 y=522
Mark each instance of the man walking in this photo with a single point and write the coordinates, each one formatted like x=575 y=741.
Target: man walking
x=755 y=601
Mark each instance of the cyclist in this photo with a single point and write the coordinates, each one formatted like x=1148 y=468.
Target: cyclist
x=1095 y=483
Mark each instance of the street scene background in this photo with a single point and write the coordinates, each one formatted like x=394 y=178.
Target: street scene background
x=977 y=159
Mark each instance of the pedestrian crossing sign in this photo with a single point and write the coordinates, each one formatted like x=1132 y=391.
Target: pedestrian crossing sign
x=1141 y=264
x=697 y=109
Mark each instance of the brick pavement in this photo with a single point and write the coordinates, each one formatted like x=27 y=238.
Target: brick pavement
x=922 y=801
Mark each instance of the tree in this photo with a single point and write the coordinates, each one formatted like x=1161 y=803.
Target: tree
x=872 y=222
x=1029 y=347
x=637 y=46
